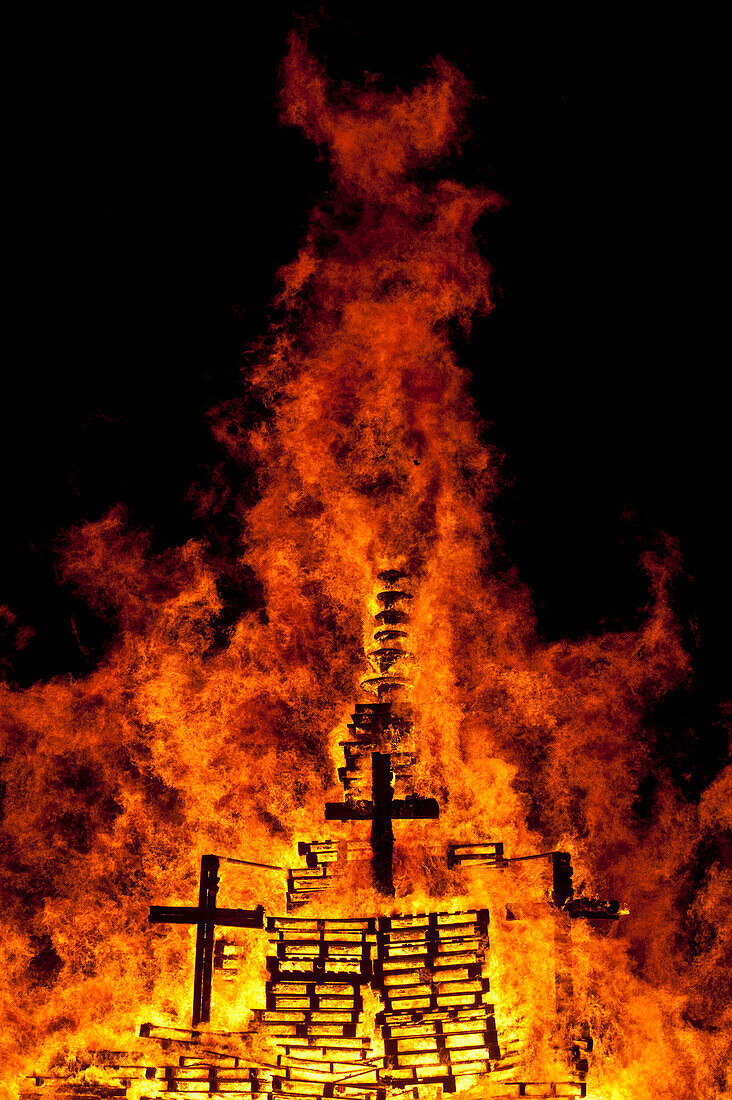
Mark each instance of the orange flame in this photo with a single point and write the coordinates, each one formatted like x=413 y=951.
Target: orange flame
x=184 y=741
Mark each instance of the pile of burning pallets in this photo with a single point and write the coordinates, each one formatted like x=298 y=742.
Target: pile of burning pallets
x=437 y=1021
x=324 y=861
x=358 y=1008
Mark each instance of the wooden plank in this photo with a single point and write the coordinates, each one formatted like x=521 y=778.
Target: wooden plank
x=396 y=1024
x=315 y=1003
x=344 y=935
x=323 y=924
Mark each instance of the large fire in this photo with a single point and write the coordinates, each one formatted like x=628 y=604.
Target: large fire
x=188 y=741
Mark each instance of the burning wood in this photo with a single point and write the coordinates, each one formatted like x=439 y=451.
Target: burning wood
x=475 y=854
x=383 y=749
x=434 y=1023
x=381 y=810
x=331 y=851
x=206 y=916
x=202 y=729
x=436 y=1020
x=325 y=860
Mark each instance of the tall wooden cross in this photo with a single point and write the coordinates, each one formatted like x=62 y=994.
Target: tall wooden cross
x=381 y=812
x=207 y=917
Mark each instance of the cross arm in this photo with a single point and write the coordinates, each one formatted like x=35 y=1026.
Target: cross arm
x=414 y=808
x=190 y=914
x=361 y=810
x=174 y=914
x=240 y=918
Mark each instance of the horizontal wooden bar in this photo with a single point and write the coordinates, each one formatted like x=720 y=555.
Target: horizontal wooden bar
x=190 y=914
x=323 y=924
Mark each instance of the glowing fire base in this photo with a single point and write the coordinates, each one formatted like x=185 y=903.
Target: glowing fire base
x=356 y=1007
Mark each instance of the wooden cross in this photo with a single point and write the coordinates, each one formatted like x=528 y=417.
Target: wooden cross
x=207 y=917
x=381 y=812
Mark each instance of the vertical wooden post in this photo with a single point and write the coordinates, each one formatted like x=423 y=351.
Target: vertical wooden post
x=206 y=916
x=381 y=810
x=203 y=974
x=562 y=892
x=382 y=833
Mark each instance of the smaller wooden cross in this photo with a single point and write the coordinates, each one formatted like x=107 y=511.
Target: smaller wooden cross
x=381 y=812
x=207 y=917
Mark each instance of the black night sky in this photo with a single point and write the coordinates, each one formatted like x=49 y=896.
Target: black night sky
x=154 y=198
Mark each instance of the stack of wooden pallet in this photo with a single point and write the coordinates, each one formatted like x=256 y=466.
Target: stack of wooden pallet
x=437 y=1021
x=378 y=727
x=315 y=1007
x=316 y=951
x=324 y=861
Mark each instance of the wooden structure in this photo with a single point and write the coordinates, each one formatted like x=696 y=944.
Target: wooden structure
x=358 y=1007
x=381 y=810
x=206 y=916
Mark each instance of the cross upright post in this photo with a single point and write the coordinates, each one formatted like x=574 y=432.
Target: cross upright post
x=381 y=810
x=382 y=833
x=206 y=916
x=203 y=973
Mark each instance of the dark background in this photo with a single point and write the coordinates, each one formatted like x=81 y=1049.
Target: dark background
x=154 y=196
